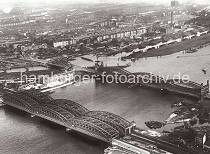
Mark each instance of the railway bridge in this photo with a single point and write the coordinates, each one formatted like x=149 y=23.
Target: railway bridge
x=145 y=79
x=98 y=124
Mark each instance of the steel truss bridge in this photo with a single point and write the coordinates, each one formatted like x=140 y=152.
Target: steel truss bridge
x=179 y=86
x=98 y=124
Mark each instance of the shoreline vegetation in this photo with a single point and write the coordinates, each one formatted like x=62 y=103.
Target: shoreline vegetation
x=173 y=48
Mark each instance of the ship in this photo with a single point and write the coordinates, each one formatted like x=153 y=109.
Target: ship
x=50 y=89
x=52 y=85
x=87 y=59
x=191 y=50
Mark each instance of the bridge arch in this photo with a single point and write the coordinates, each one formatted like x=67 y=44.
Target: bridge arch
x=17 y=100
x=94 y=127
x=59 y=109
x=27 y=98
x=74 y=108
x=111 y=119
x=51 y=113
x=37 y=96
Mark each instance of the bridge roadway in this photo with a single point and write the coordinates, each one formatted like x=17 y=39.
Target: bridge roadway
x=189 y=88
x=98 y=124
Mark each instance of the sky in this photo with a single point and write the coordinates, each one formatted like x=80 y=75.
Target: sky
x=8 y=3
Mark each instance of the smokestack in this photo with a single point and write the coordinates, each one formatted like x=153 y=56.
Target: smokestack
x=172 y=19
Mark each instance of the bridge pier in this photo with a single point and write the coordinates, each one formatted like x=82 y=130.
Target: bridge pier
x=204 y=91
x=130 y=129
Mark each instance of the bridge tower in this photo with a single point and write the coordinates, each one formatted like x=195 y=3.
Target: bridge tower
x=204 y=90
x=130 y=129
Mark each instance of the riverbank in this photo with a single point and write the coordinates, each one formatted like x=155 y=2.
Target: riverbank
x=177 y=64
x=173 y=48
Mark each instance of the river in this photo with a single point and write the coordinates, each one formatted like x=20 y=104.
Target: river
x=21 y=134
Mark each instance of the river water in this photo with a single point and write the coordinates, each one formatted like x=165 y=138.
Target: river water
x=21 y=134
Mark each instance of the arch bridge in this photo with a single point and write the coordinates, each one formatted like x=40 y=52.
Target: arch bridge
x=98 y=124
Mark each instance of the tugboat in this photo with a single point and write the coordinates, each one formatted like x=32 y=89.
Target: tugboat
x=191 y=50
